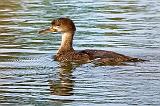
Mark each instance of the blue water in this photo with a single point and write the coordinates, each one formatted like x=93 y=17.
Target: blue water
x=29 y=75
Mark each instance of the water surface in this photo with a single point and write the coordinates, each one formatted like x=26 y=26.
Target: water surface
x=30 y=76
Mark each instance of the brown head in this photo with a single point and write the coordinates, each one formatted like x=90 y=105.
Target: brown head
x=61 y=25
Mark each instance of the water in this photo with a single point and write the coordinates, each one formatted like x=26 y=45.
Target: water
x=29 y=76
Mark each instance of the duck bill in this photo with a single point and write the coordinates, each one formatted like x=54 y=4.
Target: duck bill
x=43 y=31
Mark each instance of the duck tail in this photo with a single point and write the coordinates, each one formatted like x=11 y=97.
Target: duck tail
x=136 y=60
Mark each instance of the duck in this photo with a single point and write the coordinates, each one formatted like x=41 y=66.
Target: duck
x=66 y=52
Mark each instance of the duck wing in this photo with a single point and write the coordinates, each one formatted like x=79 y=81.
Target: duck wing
x=109 y=56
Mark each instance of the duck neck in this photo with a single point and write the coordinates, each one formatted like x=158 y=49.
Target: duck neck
x=66 y=43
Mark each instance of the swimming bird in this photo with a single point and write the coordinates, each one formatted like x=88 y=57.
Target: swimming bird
x=66 y=51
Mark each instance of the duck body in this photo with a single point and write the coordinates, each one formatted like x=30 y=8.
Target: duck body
x=67 y=53
x=99 y=56
x=72 y=56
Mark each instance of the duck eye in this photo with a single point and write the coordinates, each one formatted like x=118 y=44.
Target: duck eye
x=58 y=25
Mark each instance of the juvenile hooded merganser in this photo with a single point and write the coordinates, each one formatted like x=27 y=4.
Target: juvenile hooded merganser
x=67 y=53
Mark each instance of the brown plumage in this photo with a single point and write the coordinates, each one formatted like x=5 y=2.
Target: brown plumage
x=67 y=53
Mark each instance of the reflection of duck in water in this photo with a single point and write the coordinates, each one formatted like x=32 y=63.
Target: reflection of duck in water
x=67 y=53
x=61 y=87
x=64 y=85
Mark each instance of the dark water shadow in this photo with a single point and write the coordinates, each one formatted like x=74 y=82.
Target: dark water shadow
x=64 y=85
